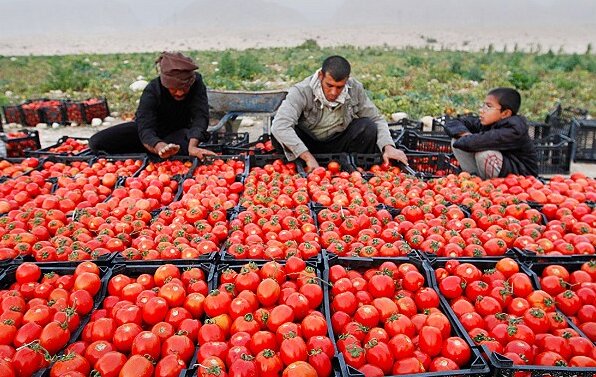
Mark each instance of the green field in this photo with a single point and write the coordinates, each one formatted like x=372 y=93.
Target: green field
x=417 y=81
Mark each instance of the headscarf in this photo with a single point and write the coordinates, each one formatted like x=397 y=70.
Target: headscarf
x=176 y=71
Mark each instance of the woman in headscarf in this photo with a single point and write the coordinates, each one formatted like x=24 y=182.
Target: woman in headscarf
x=172 y=116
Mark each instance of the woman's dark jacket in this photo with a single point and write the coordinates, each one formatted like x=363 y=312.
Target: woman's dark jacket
x=159 y=114
x=508 y=136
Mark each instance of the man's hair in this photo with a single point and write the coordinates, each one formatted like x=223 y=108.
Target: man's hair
x=508 y=98
x=337 y=66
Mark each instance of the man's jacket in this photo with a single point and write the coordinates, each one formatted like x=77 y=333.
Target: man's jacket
x=301 y=109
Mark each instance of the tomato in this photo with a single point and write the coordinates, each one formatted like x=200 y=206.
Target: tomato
x=321 y=362
x=27 y=273
x=96 y=350
x=124 y=336
x=70 y=363
x=180 y=345
x=146 y=343
x=137 y=366
x=456 y=349
x=54 y=337
x=110 y=364
x=299 y=369
x=293 y=349
x=268 y=363
x=169 y=366
x=430 y=340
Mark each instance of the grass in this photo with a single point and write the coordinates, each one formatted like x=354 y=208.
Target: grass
x=417 y=81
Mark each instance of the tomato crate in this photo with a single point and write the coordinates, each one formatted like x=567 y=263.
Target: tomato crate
x=261 y=161
x=18 y=142
x=54 y=113
x=101 y=260
x=12 y=114
x=226 y=158
x=367 y=161
x=585 y=140
x=475 y=365
x=122 y=258
x=344 y=160
x=14 y=167
x=432 y=165
x=263 y=145
x=65 y=146
x=531 y=257
x=127 y=165
x=554 y=154
x=500 y=364
x=9 y=278
x=124 y=276
x=221 y=141
x=95 y=108
x=74 y=112
x=436 y=142
x=561 y=283
x=186 y=164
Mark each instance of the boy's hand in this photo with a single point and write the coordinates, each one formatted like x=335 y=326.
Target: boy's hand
x=464 y=134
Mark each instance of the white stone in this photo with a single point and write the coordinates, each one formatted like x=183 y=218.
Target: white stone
x=140 y=77
x=106 y=124
x=247 y=122
x=13 y=59
x=74 y=124
x=96 y=122
x=109 y=119
x=55 y=125
x=41 y=125
x=125 y=62
x=115 y=114
x=8 y=93
x=396 y=117
x=138 y=85
x=427 y=123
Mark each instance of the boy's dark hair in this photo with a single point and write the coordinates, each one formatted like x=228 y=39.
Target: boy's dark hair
x=337 y=66
x=508 y=98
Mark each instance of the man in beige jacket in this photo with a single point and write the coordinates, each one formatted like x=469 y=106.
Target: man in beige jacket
x=330 y=112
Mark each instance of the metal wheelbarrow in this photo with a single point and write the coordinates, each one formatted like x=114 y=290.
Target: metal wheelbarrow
x=230 y=104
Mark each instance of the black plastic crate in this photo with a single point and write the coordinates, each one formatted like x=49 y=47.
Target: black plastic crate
x=530 y=256
x=54 y=114
x=227 y=139
x=585 y=140
x=48 y=150
x=475 y=368
x=17 y=144
x=259 y=146
x=95 y=108
x=74 y=112
x=432 y=165
x=208 y=160
x=114 y=158
x=560 y=120
x=19 y=161
x=501 y=365
x=554 y=154
x=105 y=274
x=324 y=159
x=367 y=161
x=13 y=114
x=436 y=142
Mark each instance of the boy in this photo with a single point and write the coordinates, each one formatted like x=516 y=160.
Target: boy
x=497 y=143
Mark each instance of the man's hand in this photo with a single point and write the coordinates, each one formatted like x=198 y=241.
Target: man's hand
x=392 y=153
x=200 y=153
x=310 y=160
x=164 y=150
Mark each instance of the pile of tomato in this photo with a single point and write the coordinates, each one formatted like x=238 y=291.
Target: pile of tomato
x=70 y=146
x=40 y=312
x=388 y=322
x=266 y=318
x=501 y=309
